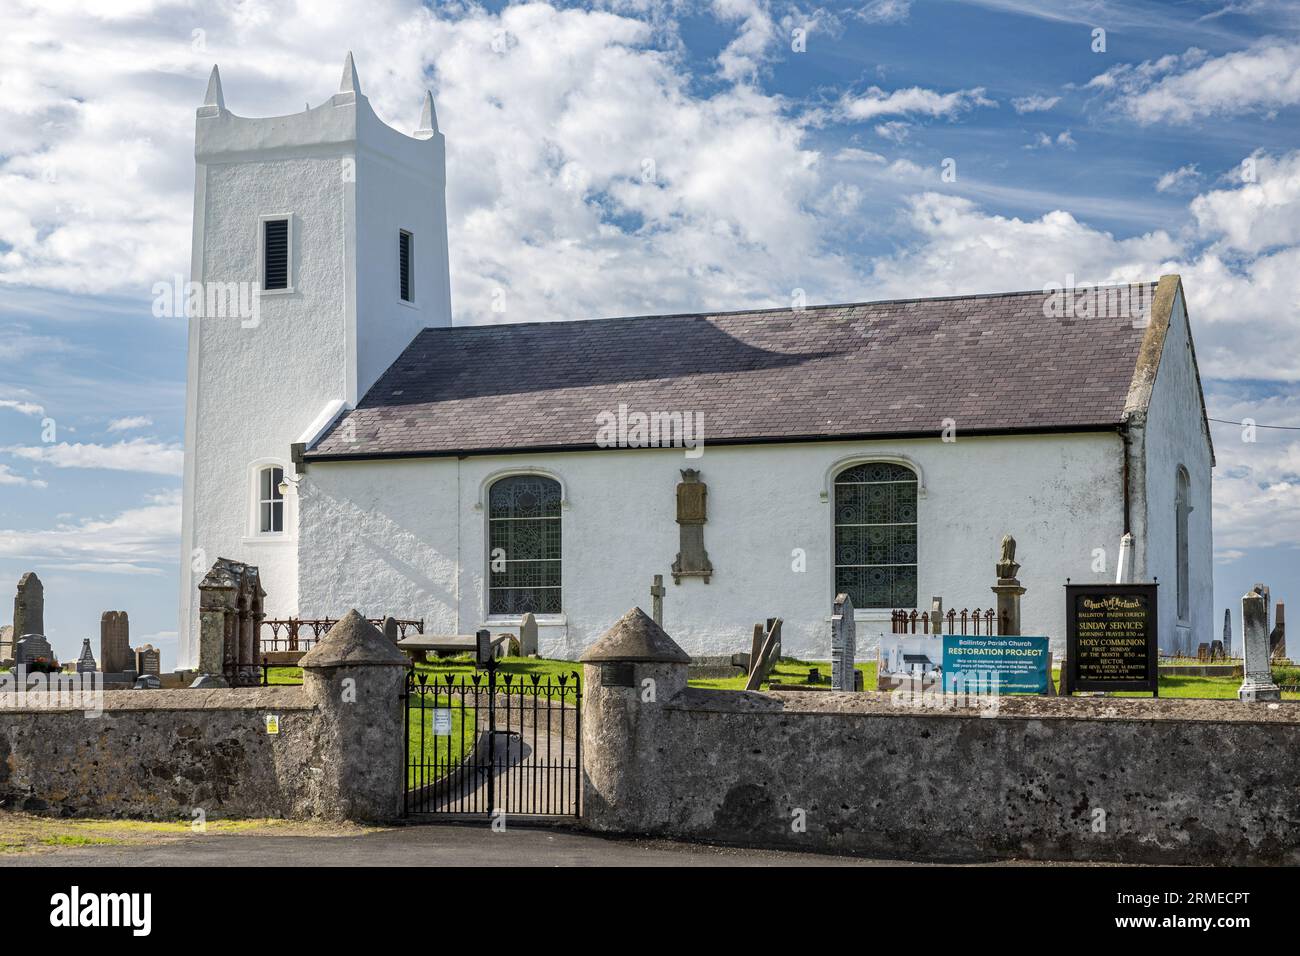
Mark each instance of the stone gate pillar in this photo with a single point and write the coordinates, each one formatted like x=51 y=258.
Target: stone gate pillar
x=632 y=669
x=356 y=678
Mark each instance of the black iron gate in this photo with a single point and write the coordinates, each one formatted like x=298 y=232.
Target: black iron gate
x=484 y=741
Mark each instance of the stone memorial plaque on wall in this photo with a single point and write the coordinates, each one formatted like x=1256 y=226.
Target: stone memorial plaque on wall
x=1111 y=635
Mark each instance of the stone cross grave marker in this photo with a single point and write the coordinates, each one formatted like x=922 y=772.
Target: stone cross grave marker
x=657 y=599
x=844 y=645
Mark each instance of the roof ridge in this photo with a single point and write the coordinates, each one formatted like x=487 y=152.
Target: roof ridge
x=772 y=311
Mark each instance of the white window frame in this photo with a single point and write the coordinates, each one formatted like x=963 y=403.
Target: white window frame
x=290 y=265
x=255 y=534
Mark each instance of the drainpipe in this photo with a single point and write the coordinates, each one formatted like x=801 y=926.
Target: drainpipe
x=1124 y=437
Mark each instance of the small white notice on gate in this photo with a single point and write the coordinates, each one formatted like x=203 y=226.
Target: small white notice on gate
x=442 y=722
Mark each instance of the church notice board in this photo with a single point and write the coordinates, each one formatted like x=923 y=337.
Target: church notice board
x=1111 y=639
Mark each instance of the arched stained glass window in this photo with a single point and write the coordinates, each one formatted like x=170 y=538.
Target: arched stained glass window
x=875 y=535
x=524 y=545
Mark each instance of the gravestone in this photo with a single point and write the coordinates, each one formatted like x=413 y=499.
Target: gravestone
x=1216 y=651
x=230 y=623
x=1203 y=651
x=936 y=616
x=844 y=645
x=86 y=662
x=1257 y=684
x=114 y=642
x=657 y=600
x=6 y=644
x=29 y=606
x=762 y=663
x=148 y=660
x=391 y=629
x=32 y=646
x=1277 y=637
x=147 y=682
x=528 y=635
x=1227 y=632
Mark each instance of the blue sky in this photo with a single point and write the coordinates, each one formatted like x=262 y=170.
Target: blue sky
x=775 y=169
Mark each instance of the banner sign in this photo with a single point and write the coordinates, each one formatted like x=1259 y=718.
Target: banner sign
x=996 y=664
x=983 y=664
x=1111 y=636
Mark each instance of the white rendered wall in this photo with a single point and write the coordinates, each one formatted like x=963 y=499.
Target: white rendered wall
x=1174 y=435
x=348 y=183
x=385 y=536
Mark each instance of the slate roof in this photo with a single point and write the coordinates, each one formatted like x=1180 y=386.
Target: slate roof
x=993 y=363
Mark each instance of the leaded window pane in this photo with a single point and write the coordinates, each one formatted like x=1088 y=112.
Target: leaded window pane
x=524 y=546
x=875 y=535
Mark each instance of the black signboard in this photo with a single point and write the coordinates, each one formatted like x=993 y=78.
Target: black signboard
x=1111 y=641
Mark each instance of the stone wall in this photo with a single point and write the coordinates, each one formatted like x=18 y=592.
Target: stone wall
x=162 y=754
x=1178 y=781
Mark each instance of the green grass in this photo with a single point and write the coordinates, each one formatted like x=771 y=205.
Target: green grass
x=789 y=670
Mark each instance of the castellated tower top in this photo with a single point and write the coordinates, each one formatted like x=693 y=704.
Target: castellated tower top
x=342 y=120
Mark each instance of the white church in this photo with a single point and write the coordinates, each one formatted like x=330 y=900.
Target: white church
x=364 y=452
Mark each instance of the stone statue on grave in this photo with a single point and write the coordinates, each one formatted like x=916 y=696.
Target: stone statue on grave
x=1007 y=567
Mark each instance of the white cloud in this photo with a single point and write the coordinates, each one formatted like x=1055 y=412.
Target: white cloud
x=852 y=155
x=137 y=454
x=913 y=101
x=129 y=423
x=1254 y=216
x=1183 y=88
x=9 y=477
x=884 y=11
x=1178 y=178
x=1034 y=104
x=896 y=131
x=135 y=541
x=22 y=407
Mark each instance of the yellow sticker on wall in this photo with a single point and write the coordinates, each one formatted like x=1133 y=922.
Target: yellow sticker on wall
x=272 y=723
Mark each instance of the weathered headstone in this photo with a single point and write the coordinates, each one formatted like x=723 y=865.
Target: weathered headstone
x=148 y=660
x=844 y=645
x=114 y=642
x=1203 y=651
x=1216 y=651
x=147 y=682
x=6 y=644
x=1227 y=632
x=761 y=665
x=391 y=629
x=528 y=635
x=29 y=606
x=86 y=662
x=936 y=615
x=30 y=647
x=1277 y=637
x=1258 y=683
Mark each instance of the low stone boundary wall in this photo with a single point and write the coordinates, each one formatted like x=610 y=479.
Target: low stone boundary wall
x=165 y=754
x=1107 y=779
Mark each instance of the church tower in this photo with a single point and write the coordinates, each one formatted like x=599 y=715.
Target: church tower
x=319 y=252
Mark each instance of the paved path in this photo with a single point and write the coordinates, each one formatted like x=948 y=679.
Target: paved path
x=441 y=845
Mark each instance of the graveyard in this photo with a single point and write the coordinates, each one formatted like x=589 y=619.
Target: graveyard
x=482 y=724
